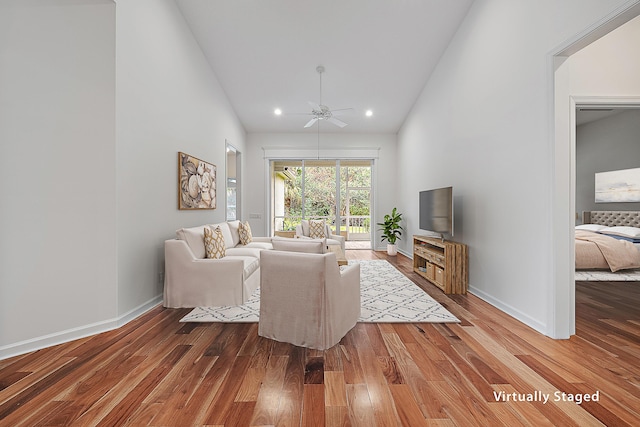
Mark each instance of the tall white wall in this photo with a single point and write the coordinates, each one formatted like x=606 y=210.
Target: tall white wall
x=168 y=100
x=484 y=125
x=609 y=66
x=305 y=144
x=57 y=169
x=98 y=98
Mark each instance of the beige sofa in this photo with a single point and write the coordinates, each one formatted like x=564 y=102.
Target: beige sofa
x=192 y=280
x=306 y=300
x=310 y=246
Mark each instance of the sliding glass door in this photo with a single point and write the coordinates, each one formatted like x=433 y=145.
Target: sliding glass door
x=320 y=201
x=338 y=191
x=356 y=193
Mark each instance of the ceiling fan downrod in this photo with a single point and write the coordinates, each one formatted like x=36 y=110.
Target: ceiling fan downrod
x=320 y=70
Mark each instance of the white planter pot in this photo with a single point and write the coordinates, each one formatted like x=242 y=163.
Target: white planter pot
x=392 y=250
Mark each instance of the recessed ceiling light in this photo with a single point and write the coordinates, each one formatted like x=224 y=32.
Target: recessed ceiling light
x=369 y=113
x=277 y=111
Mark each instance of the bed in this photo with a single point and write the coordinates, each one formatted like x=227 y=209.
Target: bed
x=608 y=240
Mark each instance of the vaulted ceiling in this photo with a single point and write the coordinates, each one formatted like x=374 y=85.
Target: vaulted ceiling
x=378 y=55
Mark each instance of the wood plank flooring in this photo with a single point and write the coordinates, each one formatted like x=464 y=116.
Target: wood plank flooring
x=156 y=371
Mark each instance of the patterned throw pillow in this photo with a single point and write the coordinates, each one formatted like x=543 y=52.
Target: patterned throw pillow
x=316 y=229
x=245 y=233
x=214 y=243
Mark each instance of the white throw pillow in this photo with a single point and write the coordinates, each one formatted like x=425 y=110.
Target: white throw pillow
x=624 y=231
x=235 y=235
x=590 y=227
x=226 y=233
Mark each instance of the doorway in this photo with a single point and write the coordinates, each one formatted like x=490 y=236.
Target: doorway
x=562 y=316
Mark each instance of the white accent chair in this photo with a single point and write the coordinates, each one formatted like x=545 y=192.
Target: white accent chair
x=302 y=232
x=306 y=300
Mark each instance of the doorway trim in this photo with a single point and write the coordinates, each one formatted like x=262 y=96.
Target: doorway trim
x=561 y=298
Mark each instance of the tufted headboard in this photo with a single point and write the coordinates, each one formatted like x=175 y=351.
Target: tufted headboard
x=611 y=218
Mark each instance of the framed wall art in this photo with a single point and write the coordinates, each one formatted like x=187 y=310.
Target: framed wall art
x=196 y=183
x=618 y=186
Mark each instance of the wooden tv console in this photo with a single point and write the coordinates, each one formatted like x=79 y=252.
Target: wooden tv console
x=441 y=262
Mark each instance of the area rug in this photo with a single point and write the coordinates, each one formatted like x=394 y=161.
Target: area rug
x=607 y=276
x=386 y=295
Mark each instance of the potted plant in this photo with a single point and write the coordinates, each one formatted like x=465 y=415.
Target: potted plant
x=391 y=231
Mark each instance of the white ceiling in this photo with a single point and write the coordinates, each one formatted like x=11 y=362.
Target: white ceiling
x=584 y=116
x=378 y=55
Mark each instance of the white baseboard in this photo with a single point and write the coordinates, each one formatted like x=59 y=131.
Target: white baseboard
x=400 y=251
x=405 y=253
x=68 y=335
x=138 y=311
x=511 y=311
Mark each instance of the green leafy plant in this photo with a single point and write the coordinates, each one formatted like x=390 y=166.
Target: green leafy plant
x=391 y=228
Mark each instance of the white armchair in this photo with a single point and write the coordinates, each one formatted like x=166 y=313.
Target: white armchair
x=302 y=231
x=306 y=300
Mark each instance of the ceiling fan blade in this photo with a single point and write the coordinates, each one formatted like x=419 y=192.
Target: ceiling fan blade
x=336 y=122
x=341 y=111
x=311 y=122
x=314 y=105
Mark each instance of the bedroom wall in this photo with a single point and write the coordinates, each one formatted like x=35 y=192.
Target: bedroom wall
x=605 y=145
x=333 y=144
x=168 y=100
x=483 y=124
x=57 y=170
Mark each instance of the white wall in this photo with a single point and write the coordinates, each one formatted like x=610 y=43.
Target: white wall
x=483 y=124
x=57 y=169
x=97 y=99
x=609 y=66
x=333 y=145
x=168 y=100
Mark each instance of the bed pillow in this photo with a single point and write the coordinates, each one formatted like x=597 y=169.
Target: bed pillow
x=631 y=234
x=591 y=227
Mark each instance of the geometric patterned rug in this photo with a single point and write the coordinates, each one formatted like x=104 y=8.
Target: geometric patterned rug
x=386 y=296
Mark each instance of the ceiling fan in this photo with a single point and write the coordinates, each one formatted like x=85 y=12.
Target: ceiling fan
x=322 y=112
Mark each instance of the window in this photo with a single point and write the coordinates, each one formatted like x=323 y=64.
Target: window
x=233 y=183
x=338 y=191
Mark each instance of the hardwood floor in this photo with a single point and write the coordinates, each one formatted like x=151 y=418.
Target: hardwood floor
x=156 y=371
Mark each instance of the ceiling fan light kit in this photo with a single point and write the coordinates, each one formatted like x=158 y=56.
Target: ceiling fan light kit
x=320 y=111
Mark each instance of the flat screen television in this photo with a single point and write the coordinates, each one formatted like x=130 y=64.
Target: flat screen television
x=436 y=210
